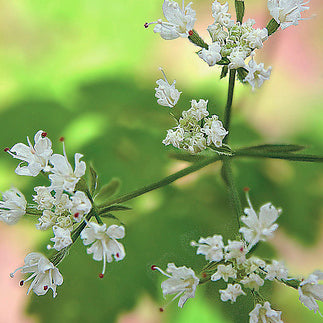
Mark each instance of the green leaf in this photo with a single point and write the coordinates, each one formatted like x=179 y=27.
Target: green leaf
x=272 y=26
x=224 y=71
x=109 y=189
x=223 y=61
x=239 y=4
x=117 y=207
x=93 y=180
x=276 y=147
x=242 y=74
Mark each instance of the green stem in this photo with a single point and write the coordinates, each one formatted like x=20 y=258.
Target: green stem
x=228 y=178
x=167 y=180
x=227 y=111
x=278 y=155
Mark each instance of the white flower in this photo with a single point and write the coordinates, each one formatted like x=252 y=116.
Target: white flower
x=257 y=74
x=252 y=264
x=310 y=290
x=81 y=205
x=212 y=54
x=63 y=177
x=264 y=314
x=181 y=281
x=221 y=15
x=259 y=227
x=224 y=272
x=166 y=94
x=236 y=250
x=255 y=37
x=47 y=220
x=174 y=137
x=62 y=203
x=179 y=20
x=197 y=111
x=287 y=12
x=217 y=33
x=211 y=247
x=62 y=238
x=196 y=143
x=36 y=156
x=104 y=242
x=253 y=281
x=231 y=293
x=214 y=130
x=237 y=58
x=65 y=222
x=44 y=199
x=46 y=276
x=13 y=206
x=276 y=270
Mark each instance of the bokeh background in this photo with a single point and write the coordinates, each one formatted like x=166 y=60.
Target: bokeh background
x=86 y=70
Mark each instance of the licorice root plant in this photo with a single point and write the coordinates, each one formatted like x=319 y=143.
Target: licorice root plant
x=73 y=205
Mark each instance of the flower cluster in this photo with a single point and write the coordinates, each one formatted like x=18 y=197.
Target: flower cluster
x=234 y=264
x=62 y=206
x=194 y=131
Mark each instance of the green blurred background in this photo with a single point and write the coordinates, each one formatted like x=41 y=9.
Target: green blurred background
x=86 y=70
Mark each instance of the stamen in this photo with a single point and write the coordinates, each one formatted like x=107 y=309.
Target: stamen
x=160 y=68
x=61 y=139
x=246 y=189
x=45 y=287
x=161 y=309
x=6 y=149
x=44 y=134
x=101 y=275
x=153 y=267
x=190 y=32
x=76 y=215
x=13 y=274
x=21 y=283
x=117 y=254
x=48 y=247
x=247 y=197
x=241 y=249
x=204 y=275
x=146 y=25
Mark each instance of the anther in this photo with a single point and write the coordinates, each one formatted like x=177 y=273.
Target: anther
x=161 y=309
x=117 y=254
x=21 y=283
x=190 y=32
x=241 y=249
x=44 y=134
x=76 y=215
x=204 y=275
x=146 y=25
x=246 y=189
x=153 y=267
x=6 y=149
x=45 y=287
x=61 y=139
x=101 y=275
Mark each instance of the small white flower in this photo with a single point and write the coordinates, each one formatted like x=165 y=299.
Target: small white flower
x=257 y=74
x=211 y=247
x=231 y=293
x=47 y=220
x=214 y=130
x=255 y=37
x=179 y=20
x=62 y=203
x=252 y=264
x=46 y=276
x=259 y=227
x=13 y=206
x=174 y=137
x=62 y=238
x=36 y=156
x=237 y=58
x=236 y=250
x=253 y=281
x=264 y=313
x=43 y=198
x=217 y=33
x=81 y=205
x=104 y=242
x=166 y=94
x=287 y=12
x=181 y=281
x=63 y=177
x=224 y=272
x=212 y=54
x=276 y=270
x=197 y=111
x=221 y=15
x=196 y=143
x=310 y=290
x=65 y=222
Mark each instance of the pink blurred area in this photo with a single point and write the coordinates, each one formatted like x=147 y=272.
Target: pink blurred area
x=14 y=243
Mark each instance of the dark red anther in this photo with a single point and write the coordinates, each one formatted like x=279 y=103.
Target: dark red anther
x=161 y=309
x=246 y=189
x=6 y=149
x=153 y=267
x=61 y=139
x=44 y=134
x=190 y=32
x=117 y=255
x=76 y=215
x=204 y=275
x=146 y=25
x=21 y=283
x=101 y=275
x=241 y=249
x=45 y=287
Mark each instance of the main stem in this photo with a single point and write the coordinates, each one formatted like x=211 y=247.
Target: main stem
x=227 y=111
